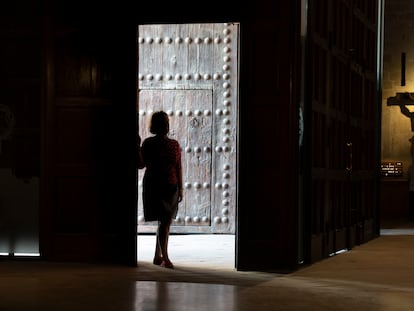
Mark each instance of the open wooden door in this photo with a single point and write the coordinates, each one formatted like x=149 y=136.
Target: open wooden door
x=88 y=187
x=344 y=98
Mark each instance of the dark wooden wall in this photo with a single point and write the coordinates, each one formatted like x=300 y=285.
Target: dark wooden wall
x=342 y=112
x=21 y=69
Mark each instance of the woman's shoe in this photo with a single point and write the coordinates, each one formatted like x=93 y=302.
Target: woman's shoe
x=157 y=261
x=167 y=264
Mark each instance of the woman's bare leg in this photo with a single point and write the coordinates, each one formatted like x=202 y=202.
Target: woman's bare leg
x=163 y=235
x=158 y=253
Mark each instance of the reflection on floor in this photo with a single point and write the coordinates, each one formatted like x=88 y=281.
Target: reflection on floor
x=185 y=296
x=378 y=275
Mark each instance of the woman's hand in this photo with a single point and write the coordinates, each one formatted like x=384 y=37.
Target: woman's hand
x=180 y=195
x=140 y=160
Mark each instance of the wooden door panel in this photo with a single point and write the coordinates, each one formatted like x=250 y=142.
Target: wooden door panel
x=191 y=124
x=88 y=189
x=74 y=146
x=191 y=72
x=75 y=205
x=195 y=135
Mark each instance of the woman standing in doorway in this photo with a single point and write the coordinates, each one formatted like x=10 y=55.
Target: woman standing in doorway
x=162 y=182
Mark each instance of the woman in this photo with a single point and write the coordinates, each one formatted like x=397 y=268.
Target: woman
x=162 y=182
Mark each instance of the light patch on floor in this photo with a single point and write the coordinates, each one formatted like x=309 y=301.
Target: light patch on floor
x=407 y=231
x=215 y=251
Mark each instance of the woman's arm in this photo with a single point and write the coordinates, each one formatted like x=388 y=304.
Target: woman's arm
x=140 y=159
x=179 y=175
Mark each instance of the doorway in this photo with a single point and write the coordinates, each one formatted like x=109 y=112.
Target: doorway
x=191 y=72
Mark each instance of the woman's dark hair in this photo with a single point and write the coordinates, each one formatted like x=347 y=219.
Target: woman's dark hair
x=160 y=124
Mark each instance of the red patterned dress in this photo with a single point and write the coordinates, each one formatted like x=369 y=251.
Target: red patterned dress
x=162 y=177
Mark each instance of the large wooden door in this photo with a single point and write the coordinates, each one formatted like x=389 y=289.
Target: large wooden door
x=194 y=133
x=88 y=188
x=344 y=125
x=190 y=71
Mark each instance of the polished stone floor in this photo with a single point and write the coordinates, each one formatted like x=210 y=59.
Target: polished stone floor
x=376 y=276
